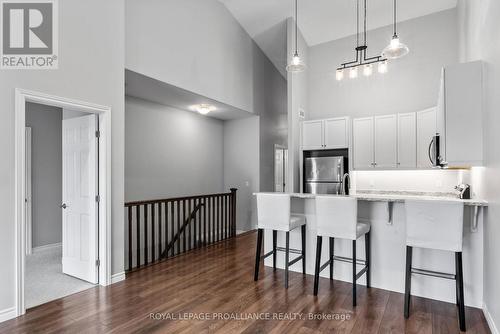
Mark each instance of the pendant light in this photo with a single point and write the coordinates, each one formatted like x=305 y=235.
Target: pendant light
x=296 y=65
x=395 y=49
x=362 y=61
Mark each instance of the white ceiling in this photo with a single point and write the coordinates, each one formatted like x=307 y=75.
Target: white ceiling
x=143 y=87
x=325 y=20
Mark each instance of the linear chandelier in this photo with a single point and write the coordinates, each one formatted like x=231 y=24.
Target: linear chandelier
x=361 y=59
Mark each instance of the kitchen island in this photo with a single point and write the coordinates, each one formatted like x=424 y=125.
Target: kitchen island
x=386 y=215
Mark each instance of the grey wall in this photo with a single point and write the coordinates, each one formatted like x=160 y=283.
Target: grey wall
x=193 y=44
x=298 y=97
x=46 y=171
x=171 y=152
x=241 y=167
x=197 y=45
x=479 y=27
x=91 y=62
x=411 y=83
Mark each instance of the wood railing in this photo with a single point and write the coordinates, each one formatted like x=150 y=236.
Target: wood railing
x=158 y=229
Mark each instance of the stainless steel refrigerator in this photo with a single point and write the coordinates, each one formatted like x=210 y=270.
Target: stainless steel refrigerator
x=323 y=175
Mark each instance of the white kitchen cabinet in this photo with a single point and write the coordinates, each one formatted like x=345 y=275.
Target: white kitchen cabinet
x=426 y=129
x=363 y=152
x=407 y=140
x=386 y=141
x=332 y=133
x=460 y=108
x=312 y=135
x=336 y=133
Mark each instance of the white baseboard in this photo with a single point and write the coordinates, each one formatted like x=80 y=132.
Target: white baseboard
x=46 y=247
x=490 y=321
x=7 y=314
x=115 y=278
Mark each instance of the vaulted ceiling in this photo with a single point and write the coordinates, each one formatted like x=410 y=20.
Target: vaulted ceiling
x=320 y=21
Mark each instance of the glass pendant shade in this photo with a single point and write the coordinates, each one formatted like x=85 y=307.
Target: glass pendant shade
x=395 y=49
x=353 y=73
x=367 y=70
x=339 y=75
x=296 y=65
x=382 y=67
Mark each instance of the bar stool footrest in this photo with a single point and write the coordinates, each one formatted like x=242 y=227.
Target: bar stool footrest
x=291 y=250
x=432 y=273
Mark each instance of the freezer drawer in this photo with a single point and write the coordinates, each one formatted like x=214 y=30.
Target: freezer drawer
x=323 y=188
x=326 y=169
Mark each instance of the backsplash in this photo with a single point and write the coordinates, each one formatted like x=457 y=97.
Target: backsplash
x=436 y=181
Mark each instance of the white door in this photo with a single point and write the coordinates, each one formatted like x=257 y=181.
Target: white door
x=79 y=208
x=312 y=135
x=407 y=140
x=362 y=132
x=336 y=134
x=386 y=141
x=426 y=129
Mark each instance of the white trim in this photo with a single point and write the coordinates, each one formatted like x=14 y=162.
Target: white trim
x=7 y=314
x=115 y=278
x=46 y=247
x=490 y=321
x=21 y=97
x=29 y=194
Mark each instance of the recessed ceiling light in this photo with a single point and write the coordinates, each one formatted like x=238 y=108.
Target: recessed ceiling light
x=204 y=108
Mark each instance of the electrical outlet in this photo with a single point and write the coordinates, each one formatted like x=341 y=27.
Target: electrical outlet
x=247 y=183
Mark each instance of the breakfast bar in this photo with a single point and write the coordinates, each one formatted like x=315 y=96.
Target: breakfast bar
x=385 y=212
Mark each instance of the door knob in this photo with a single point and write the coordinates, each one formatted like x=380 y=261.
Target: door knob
x=63 y=206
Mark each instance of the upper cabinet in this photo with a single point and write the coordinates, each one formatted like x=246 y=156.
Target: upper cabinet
x=312 y=135
x=386 y=140
x=407 y=140
x=362 y=136
x=460 y=115
x=330 y=133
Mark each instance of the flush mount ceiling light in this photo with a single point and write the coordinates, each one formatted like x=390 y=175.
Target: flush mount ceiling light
x=296 y=65
x=395 y=49
x=204 y=108
x=366 y=63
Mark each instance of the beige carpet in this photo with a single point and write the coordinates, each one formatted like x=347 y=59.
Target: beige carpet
x=45 y=281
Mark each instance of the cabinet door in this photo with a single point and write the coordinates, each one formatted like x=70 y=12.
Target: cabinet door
x=386 y=141
x=312 y=135
x=362 y=132
x=407 y=140
x=336 y=133
x=463 y=115
x=426 y=129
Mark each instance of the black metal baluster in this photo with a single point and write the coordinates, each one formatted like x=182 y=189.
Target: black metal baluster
x=172 y=220
x=146 y=234
x=129 y=238
x=138 y=235
x=153 y=227
x=160 y=205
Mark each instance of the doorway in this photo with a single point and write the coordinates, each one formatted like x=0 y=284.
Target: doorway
x=82 y=257
x=61 y=203
x=280 y=168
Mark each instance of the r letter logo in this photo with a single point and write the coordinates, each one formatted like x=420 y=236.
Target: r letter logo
x=29 y=34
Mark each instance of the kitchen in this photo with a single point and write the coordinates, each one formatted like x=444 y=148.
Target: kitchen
x=361 y=131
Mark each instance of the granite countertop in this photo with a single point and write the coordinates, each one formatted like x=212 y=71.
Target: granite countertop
x=401 y=196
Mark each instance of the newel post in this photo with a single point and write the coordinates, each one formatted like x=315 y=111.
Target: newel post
x=233 y=211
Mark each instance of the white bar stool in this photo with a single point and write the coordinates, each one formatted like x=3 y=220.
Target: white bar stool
x=435 y=225
x=273 y=213
x=337 y=217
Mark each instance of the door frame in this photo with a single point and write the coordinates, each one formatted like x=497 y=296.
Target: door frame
x=104 y=174
x=28 y=196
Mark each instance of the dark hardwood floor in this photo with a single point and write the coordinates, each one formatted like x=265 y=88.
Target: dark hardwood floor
x=219 y=279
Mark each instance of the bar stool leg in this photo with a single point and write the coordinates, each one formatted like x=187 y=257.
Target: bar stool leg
x=460 y=284
x=368 y=259
x=409 y=253
x=287 y=258
x=275 y=240
x=331 y=241
x=257 y=253
x=303 y=235
x=354 y=273
x=319 y=241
